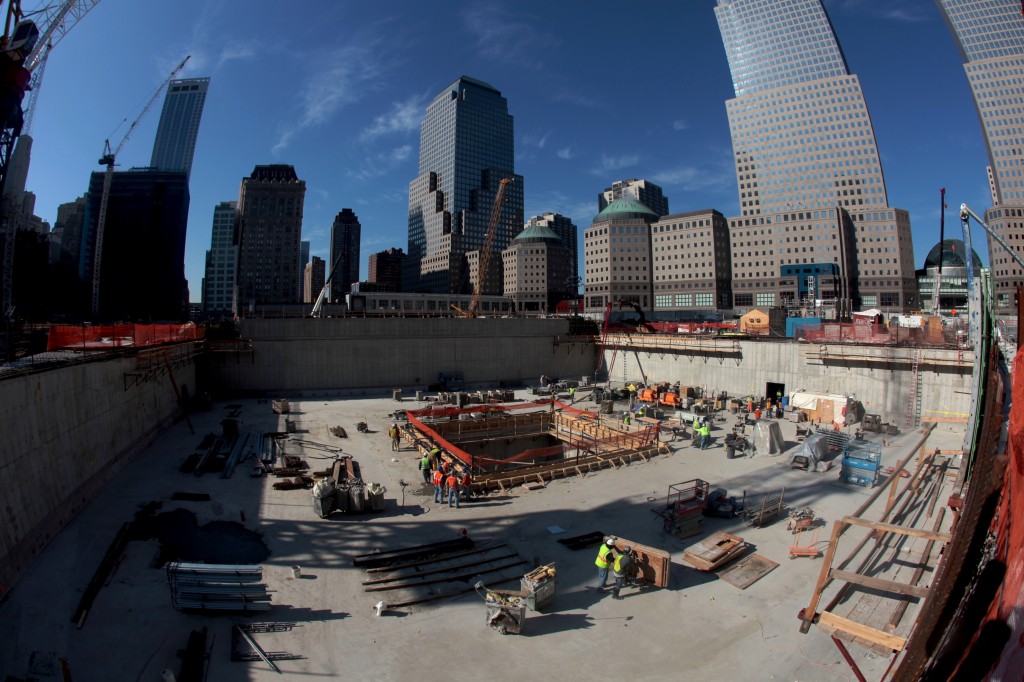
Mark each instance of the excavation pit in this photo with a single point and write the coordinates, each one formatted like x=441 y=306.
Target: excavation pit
x=530 y=443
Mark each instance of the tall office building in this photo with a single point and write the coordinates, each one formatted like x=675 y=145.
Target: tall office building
x=313 y=279
x=566 y=230
x=811 y=189
x=221 y=262
x=178 y=129
x=269 y=227
x=303 y=259
x=538 y=270
x=466 y=148
x=385 y=269
x=142 y=266
x=644 y=191
x=345 y=239
x=990 y=35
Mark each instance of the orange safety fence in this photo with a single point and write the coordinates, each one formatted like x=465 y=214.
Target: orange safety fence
x=836 y=332
x=115 y=336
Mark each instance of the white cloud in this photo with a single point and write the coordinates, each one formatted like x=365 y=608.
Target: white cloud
x=380 y=164
x=614 y=163
x=335 y=79
x=564 y=153
x=532 y=140
x=235 y=50
x=579 y=99
x=507 y=35
x=404 y=117
x=690 y=178
x=680 y=124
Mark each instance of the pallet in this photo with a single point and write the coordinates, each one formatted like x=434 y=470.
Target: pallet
x=714 y=551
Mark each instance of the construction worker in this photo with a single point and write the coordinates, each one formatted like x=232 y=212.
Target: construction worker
x=641 y=412
x=466 y=484
x=628 y=417
x=705 y=435
x=435 y=456
x=393 y=432
x=572 y=394
x=425 y=467
x=622 y=566
x=438 y=485
x=604 y=560
x=452 y=482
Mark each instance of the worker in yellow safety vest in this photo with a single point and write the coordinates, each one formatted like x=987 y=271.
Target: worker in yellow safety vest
x=623 y=569
x=604 y=560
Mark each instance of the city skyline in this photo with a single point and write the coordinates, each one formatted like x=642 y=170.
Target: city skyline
x=351 y=131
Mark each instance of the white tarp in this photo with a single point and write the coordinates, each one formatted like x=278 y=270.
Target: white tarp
x=813 y=402
x=767 y=439
x=814 y=450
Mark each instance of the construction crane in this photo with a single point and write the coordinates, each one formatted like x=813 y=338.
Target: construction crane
x=485 y=255
x=24 y=48
x=109 y=159
x=318 y=306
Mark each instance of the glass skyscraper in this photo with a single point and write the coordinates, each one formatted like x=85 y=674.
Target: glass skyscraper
x=221 y=262
x=346 y=236
x=815 y=218
x=176 y=134
x=990 y=35
x=466 y=148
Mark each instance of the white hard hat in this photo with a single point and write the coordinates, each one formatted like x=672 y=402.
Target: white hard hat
x=610 y=542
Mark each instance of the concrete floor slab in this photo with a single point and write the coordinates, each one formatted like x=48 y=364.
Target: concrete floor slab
x=698 y=627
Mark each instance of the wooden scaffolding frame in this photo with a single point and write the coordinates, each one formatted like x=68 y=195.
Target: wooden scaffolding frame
x=921 y=492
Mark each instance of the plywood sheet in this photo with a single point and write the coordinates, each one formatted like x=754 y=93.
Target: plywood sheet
x=748 y=571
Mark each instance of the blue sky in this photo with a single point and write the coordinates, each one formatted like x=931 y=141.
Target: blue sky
x=600 y=91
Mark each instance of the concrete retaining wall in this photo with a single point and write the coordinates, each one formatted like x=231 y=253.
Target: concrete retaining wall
x=63 y=434
x=881 y=379
x=346 y=354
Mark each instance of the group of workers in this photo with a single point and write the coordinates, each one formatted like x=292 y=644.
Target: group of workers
x=621 y=564
x=449 y=484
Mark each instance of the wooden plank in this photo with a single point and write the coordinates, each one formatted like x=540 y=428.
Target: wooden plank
x=745 y=573
x=880 y=584
x=863 y=631
x=944 y=420
x=899 y=530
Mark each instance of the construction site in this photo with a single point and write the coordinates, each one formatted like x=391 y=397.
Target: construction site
x=240 y=510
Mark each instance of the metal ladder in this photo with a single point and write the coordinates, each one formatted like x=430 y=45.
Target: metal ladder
x=913 y=400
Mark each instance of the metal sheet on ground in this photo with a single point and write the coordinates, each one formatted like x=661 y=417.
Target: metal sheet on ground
x=748 y=571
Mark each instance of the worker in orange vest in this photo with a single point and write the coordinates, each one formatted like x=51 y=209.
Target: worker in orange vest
x=453 y=490
x=466 y=484
x=438 y=485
